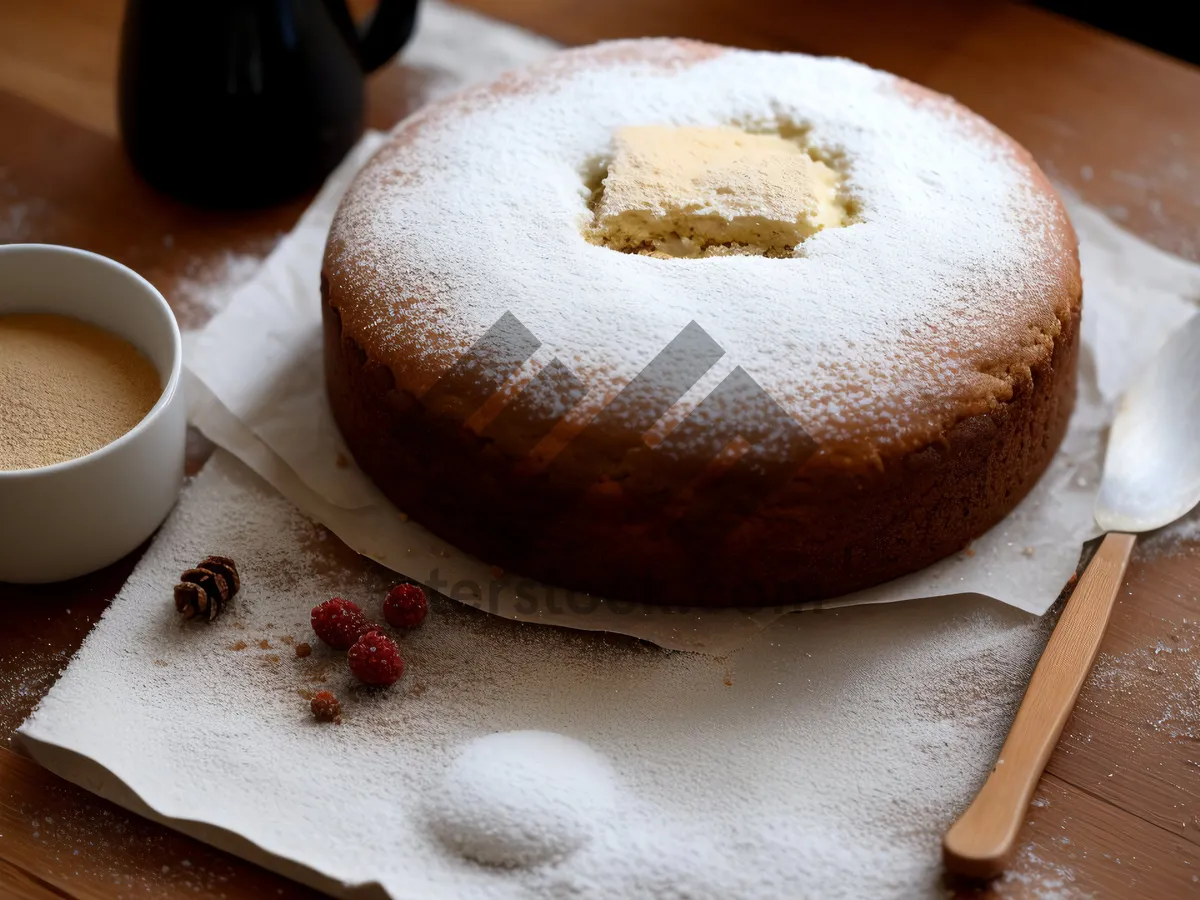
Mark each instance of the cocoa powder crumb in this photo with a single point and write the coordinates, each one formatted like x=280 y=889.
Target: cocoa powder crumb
x=325 y=707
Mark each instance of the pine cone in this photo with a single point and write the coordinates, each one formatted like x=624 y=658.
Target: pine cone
x=203 y=591
x=223 y=566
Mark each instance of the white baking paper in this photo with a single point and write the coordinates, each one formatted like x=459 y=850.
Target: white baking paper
x=821 y=761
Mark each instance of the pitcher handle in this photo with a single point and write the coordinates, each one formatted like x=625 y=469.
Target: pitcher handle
x=385 y=31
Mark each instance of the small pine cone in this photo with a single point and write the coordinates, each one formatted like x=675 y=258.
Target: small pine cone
x=202 y=594
x=226 y=568
x=191 y=600
x=204 y=591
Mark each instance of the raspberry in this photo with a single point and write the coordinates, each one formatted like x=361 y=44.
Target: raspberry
x=325 y=707
x=405 y=606
x=339 y=623
x=376 y=660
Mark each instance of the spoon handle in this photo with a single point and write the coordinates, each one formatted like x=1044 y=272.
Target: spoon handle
x=979 y=843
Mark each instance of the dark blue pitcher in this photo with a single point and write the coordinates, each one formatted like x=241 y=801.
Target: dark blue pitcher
x=247 y=102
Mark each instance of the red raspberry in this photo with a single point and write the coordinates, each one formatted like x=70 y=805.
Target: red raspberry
x=405 y=606
x=339 y=623
x=375 y=659
x=325 y=707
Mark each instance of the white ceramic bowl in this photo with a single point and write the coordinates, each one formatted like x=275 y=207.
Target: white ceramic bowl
x=64 y=520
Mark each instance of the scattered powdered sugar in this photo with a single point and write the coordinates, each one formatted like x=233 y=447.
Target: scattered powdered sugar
x=1165 y=676
x=1041 y=879
x=206 y=285
x=14 y=223
x=18 y=213
x=35 y=671
x=1174 y=538
x=78 y=840
x=954 y=273
x=823 y=760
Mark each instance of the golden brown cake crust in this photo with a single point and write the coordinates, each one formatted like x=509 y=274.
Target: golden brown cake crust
x=869 y=505
x=836 y=529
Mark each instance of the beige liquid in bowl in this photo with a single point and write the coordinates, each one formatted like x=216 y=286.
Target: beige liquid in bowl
x=67 y=389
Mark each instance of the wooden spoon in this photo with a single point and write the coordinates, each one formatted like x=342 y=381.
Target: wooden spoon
x=1151 y=477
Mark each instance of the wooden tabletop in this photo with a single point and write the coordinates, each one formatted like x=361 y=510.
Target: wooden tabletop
x=1118 y=811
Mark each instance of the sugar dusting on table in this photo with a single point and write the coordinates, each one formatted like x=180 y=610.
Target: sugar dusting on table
x=78 y=841
x=35 y=671
x=1164 y=675
x=207 y=283
x=1168 y=671
x=823 y=760
x=1172 y=539
x=1040 y=879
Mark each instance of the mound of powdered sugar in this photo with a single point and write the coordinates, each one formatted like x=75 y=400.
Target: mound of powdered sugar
x=520 y=798
x=822 y=760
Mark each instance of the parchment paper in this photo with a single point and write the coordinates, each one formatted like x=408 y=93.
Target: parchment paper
x=821 y=761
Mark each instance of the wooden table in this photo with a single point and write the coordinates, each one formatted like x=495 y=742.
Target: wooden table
x=1118 y=811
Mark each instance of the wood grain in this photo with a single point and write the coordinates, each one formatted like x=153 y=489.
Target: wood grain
x=1117 y=812
x=60 y=841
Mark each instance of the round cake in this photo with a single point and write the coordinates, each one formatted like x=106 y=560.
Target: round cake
x=676 y=323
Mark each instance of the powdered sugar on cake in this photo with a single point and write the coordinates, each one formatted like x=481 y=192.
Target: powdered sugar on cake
x=949 y=284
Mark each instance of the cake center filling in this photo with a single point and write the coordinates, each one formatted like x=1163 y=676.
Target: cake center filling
x=682 y=192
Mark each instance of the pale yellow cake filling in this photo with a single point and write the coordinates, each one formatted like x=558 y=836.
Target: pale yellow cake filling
x=692 y=192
